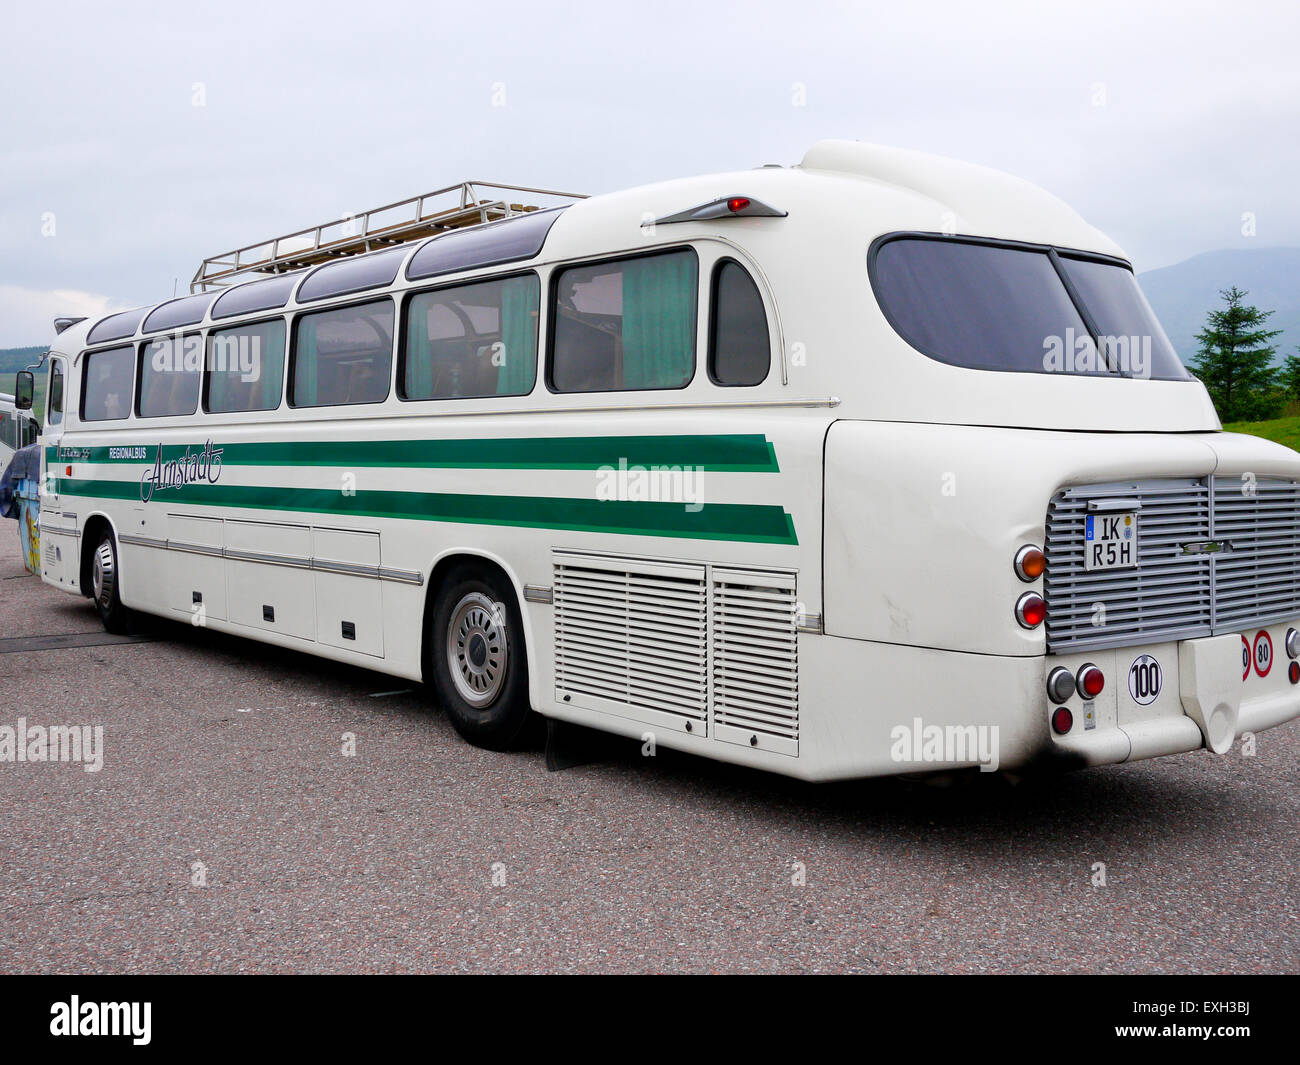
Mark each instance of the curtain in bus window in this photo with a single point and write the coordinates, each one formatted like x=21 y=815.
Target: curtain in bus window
x=304 y=364
x=219 y=390
x=419 y=354
x=659 y=321
x=519 y=303
x=270 y=365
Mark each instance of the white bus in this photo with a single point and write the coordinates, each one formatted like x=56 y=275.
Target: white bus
x=877 y=464
x=17 y=430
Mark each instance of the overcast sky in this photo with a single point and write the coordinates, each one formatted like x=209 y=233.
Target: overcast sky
x=149 y=136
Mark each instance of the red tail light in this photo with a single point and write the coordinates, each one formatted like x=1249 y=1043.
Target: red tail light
x=1062 y=720
x=1031 y=611
x=1091 y=681
x=737 y=204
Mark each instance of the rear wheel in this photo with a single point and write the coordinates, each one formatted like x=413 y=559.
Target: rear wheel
x=105 y=574
x=480 y=667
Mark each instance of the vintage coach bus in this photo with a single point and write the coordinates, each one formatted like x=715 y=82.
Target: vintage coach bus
x=871 y=465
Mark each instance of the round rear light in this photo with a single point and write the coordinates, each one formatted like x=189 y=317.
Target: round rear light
x=1292 y=643
x=1294 y=672
x=1029 y=563
x=1062 y=720
x=1091 y=681
x=1031 y=611
x=1060 y=684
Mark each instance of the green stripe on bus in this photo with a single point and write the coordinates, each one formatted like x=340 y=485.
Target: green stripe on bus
x=747 y=523
x=735 y=453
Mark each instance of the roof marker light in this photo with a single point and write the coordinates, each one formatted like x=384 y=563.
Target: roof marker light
x=723 y=207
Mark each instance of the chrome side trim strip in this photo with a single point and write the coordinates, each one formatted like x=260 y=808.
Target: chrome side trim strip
x=143 y=541
x=192 y=549
x=350 y=569
x=291 y=561
x=401 y=576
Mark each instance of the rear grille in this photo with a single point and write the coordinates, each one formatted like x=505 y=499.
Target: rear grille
x=1174 y=595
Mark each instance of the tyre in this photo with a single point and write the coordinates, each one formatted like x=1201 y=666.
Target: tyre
x=479 y=662
x=105 y=580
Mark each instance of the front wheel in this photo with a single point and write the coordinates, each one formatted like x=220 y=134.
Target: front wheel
x=480 y=665
x=105 y=574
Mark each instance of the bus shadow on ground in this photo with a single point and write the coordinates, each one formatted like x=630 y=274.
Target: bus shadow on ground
x=1141 y=802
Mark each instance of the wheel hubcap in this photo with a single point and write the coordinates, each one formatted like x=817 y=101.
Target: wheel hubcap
x=478 y=650
x=103 y=574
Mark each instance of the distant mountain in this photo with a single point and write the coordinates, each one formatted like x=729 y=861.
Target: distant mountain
x=1182 y=294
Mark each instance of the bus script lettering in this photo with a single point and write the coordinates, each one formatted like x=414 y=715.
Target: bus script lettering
x=204 y=465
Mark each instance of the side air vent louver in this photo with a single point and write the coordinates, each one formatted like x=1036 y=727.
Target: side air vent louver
x=709 y=651
x=755 y=662
x=631 y=639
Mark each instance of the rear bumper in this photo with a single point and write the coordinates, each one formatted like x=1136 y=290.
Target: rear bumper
x=864 y=705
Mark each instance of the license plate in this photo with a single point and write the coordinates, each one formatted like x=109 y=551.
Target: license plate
x=1110 y=541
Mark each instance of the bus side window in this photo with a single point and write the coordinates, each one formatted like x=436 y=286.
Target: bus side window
x=109 y=385
x=625 y=325
x=471 y=341
x=169 y=378
x=342 y=356
x=245 y=368
x=740 y=349
x=9 y=430
x=54 y=402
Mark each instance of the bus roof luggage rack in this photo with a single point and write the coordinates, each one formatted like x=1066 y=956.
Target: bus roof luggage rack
x=460 y=206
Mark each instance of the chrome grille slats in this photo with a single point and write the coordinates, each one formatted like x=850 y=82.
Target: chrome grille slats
x=1172 y=594
x=1166 y=597
x=1259 y=580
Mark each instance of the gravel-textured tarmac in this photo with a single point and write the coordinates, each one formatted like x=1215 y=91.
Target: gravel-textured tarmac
x=229 y=753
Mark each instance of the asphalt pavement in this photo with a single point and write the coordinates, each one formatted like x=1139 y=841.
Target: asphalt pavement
x=229 y=830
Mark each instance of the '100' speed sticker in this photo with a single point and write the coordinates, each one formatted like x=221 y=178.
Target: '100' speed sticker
x=1144 y=680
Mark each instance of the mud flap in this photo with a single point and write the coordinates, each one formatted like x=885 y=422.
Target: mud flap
x=1209 y=680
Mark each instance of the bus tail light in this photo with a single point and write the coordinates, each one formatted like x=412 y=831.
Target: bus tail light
x=1031 y=610
x=1060 y=684
x=1293 y=672
x=1029 y=563
x=1062 y=720
x=1091 y=681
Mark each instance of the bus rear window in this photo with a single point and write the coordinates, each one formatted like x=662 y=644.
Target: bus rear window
x=993 y=307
